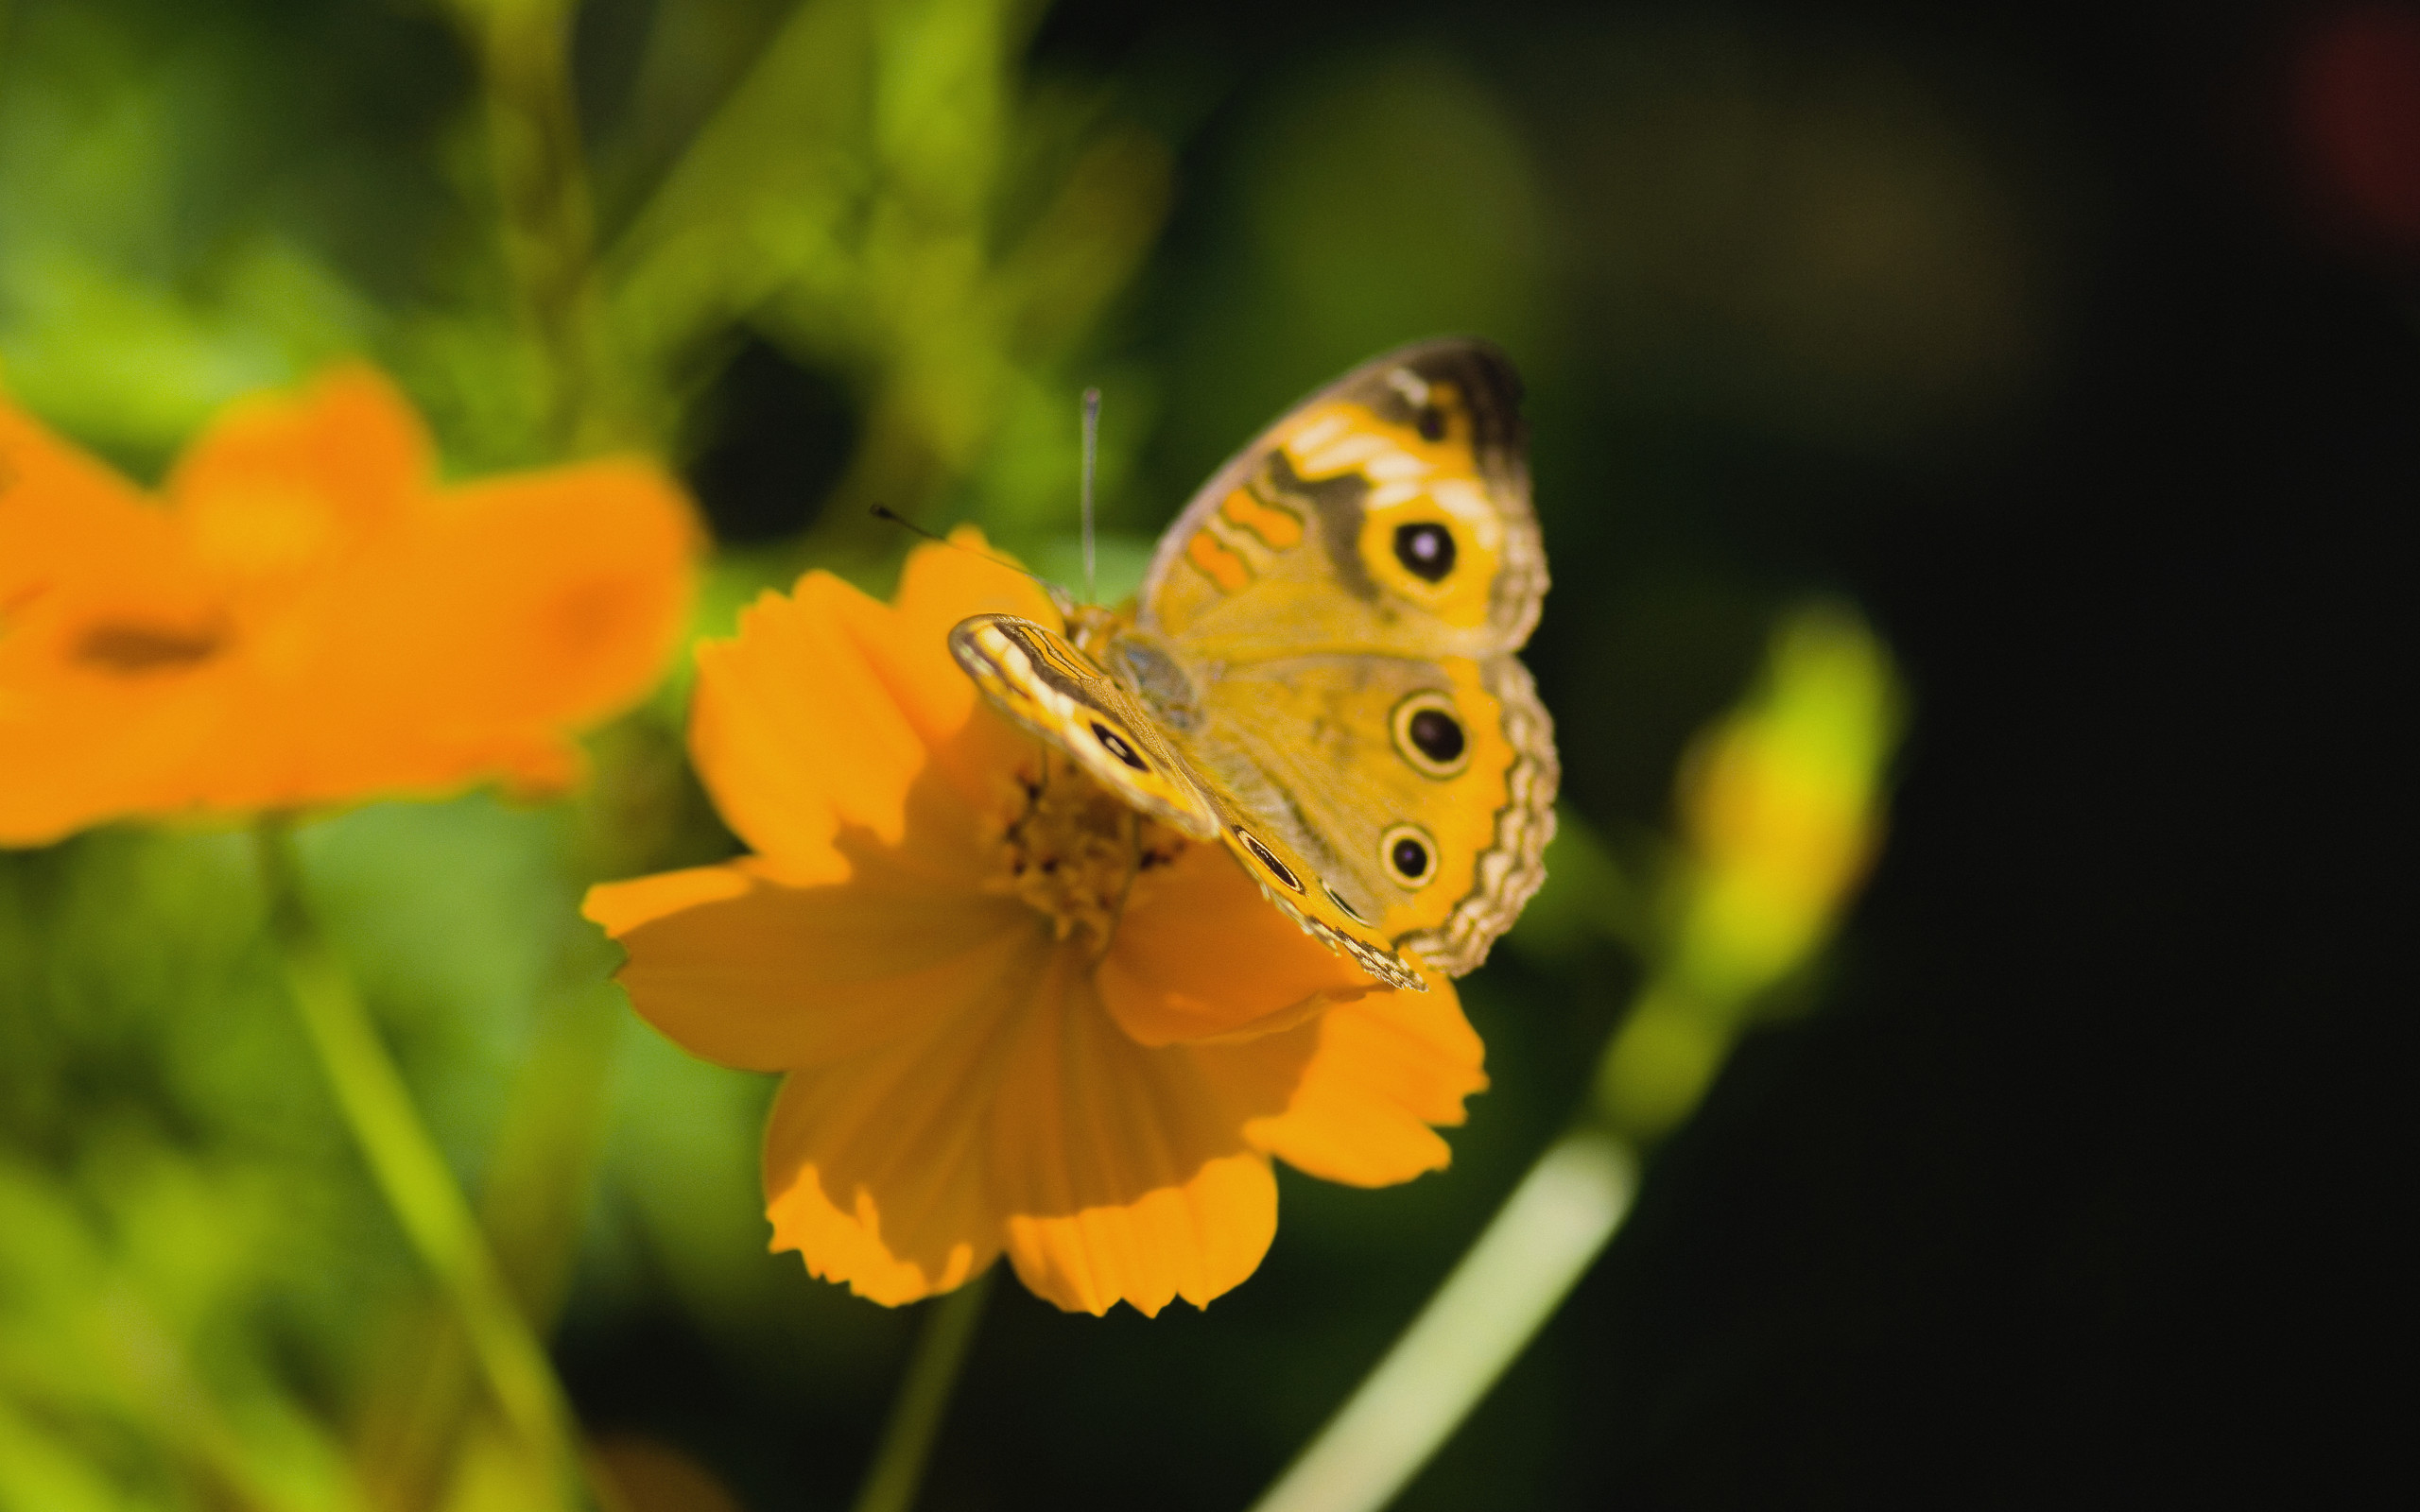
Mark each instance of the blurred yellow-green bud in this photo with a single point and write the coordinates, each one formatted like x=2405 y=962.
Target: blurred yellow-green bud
x=1781 y=806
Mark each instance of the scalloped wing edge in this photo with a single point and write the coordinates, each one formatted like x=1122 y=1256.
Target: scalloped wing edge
x=1513 y=867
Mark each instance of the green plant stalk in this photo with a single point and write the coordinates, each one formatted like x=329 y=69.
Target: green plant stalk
x=530 y=1207
x=1797 y=770
x=1567 y=1210
x=35 y=1470
x=1538 y=1245
x=411 y=1174
x=916 y=1414
x=548 y=222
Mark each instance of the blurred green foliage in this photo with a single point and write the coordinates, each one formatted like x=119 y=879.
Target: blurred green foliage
x=939 y=220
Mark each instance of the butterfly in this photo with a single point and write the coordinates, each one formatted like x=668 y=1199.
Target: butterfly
x=1319 y=670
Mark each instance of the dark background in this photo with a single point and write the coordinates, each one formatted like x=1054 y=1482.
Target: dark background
x=2058 y=1198
x=2075 y=347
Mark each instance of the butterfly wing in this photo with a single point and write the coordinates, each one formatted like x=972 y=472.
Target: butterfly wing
x=1040 y=679
x=1389 y=513
x=1326 y=634
x=1045 y=683
x=1424 y=789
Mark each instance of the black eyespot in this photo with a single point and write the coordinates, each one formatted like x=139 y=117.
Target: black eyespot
x=1426 y=550
x=1429 y=734
x=1276 y=869
x=1438 y=734
x=1115 y=744
x=1432 y=421
x=1342 y=906
x=1410 y=855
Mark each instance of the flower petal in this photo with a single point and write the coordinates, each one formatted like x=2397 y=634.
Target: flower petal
x=815 y=724
x=873 y=1164
x=1121 y=1169
x=1356 y=1097
x=938 y=587
x=742 y=969
x=804 y=747
x=112 y=647
x=541 y=602
x=310 y=622
x=1201 y=954
x=281 y=479
x=907 y=644
x=467 y=644
x=60 y=512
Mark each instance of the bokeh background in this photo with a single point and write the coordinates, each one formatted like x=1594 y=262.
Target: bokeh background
x=2077 y=350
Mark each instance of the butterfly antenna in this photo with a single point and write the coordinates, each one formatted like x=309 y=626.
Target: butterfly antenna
x=883 y=512
x=1092 y=450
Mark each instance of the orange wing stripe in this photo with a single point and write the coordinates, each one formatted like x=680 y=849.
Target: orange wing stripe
x=1219 y=564
x=1281 y=528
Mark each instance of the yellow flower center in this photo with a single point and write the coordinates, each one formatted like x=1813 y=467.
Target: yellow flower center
x=1074 y=852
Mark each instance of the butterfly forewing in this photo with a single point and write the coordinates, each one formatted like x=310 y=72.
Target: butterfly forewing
x=1389 y=513
x=1040 y=679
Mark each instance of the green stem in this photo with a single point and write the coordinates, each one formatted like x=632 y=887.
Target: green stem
x=531 y=1202
x=1556 y=1223
x=916 y=1416
x=523 y=49
x=1539 y=1245
x=411 y=1173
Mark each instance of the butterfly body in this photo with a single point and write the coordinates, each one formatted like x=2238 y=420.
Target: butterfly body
x=1319 y=670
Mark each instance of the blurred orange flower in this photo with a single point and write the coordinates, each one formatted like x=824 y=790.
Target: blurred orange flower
x=311 y=618
x=1015 y=1015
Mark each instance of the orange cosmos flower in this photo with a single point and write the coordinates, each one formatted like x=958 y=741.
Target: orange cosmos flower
x=310 y=618
x=1014 y=1015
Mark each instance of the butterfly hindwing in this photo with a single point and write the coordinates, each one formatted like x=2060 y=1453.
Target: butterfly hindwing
x=1424 y=788
x=1301 y=884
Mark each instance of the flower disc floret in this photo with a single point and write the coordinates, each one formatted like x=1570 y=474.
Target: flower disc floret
x=1075 y=853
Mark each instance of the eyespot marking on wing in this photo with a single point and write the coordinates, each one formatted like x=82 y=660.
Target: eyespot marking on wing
x=1429 y=734
x=1341 y=906
x=1052 y=688
x=1426 y=434
x=1117 y=745
x=1409 y=853
x=1426 y=548
x=1267 y=858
